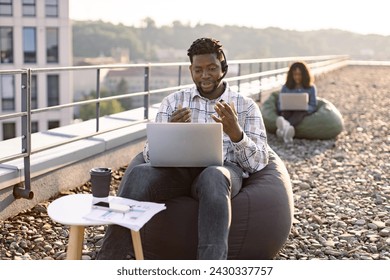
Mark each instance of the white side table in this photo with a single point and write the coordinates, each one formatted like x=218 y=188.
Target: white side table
x=70 y=210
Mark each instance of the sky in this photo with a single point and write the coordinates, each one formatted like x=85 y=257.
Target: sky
x=360 y=16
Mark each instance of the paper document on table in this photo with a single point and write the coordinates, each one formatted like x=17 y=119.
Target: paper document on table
x=139 y=214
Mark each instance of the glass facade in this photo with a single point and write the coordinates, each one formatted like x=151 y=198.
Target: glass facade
x=29 y=45
x=34 y=127
x=52 y=45
x=5 y=7
x=34 y=92
x=28 y=8
x=9 y=130
x=53 y=90
x=6 y=44
x=7 y=91
x=51 y=8
x=53 y=124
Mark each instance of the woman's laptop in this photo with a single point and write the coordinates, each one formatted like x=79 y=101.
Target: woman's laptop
x=294 y=101
x=185 y=144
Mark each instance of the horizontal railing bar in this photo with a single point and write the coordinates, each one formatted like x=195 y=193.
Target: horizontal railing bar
x=277 y=71
x=13 y=115
x=9 y=158
x=142 y=65
x=285 y=59
x=89 y=101
x=108 y=66
x=13 y=72
x=102 y=99
x=86 y=136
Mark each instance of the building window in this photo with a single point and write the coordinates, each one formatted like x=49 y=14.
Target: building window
x=51 y=8
x=34 y=127
x=5 y=7
x=34 y=92
x=53 y=92
x=6 y=44
x=29 y=45
x=9 y=130
x=28 y=8
x=53 y=124
x=7 y=91
x=52 y=44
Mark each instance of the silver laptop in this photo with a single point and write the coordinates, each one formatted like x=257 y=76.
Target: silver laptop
x=185 y=144
x=294 y=101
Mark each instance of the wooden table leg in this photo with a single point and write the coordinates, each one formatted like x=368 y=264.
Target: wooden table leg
x=75 y=244
x=135 y=235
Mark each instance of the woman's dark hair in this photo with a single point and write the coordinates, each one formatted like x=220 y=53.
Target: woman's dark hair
x=307 y=78
x=208 y=46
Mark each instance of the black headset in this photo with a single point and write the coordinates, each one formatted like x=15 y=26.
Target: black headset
x=224 y=65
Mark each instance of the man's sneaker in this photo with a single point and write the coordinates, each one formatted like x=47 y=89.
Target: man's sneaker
x=280 y=124
x=289 y=134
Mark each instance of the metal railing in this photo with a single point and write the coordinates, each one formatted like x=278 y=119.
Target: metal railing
x=253 y=70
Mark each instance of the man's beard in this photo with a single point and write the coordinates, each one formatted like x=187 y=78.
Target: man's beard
x=212 y=90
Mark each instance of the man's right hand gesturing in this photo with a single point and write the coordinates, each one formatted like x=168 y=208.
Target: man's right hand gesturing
x=181 y=114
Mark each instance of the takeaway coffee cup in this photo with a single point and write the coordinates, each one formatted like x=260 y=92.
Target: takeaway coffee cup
x=100 y=181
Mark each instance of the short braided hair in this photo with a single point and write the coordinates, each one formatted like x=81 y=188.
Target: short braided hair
x=206 y=46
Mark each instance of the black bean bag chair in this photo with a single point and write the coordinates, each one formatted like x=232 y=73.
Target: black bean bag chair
x=262 y=215
x=325 y=123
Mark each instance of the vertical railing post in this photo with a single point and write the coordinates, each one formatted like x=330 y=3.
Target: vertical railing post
x=260 y=82
x=239 y=74
x=146 y=89
x=179 y=76
x=19 y=190
x=97 y=97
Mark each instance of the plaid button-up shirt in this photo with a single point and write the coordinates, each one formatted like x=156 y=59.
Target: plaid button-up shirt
x=251 y=153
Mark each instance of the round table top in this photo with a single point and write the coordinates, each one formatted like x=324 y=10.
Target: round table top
x=70 y=209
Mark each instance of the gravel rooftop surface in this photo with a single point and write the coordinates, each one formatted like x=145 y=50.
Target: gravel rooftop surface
x=341 y=186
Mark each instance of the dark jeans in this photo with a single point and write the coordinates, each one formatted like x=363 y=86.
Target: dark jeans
x=212 y=186
x=294 y=117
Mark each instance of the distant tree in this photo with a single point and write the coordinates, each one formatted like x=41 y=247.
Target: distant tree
x=92 y=38
x=88 y=111
x=123 y=88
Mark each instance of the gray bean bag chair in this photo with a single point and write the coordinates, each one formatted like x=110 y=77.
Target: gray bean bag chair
x=261 y=219
x=325 y=123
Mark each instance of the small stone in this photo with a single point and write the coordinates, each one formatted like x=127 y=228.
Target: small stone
x=47 y=247
x=329 y=243
x=334 y=253
x=39 y=239
x=372 y=226
x=304 y=186
x=379 y=224
x=360 y=222
x=46 y=226
x=385 y=232
x=342 y=224
x=346 y=236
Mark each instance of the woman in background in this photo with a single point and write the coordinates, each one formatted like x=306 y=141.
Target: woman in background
x=299 y=80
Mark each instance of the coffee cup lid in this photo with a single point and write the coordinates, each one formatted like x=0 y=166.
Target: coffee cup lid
x=101 y=170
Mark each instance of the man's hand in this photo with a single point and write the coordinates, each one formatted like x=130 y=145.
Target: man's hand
x=227 y=115
x=181 y=115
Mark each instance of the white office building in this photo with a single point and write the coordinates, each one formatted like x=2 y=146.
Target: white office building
x=35 y=34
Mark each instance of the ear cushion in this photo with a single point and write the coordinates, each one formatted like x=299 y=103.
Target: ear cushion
x=224 y=66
